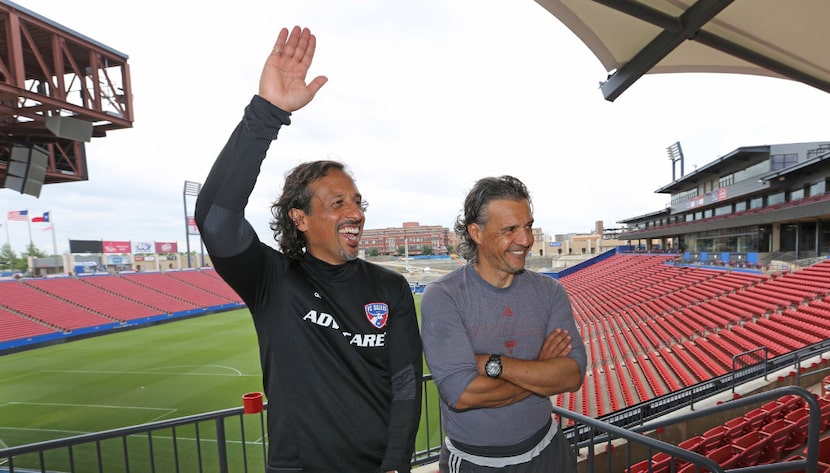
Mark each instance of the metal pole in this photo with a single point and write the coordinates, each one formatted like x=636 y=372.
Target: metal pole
x=190 y=188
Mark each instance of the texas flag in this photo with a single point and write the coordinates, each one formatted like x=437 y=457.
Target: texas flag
x=44 y=218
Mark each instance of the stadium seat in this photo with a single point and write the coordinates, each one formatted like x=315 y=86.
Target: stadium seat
x=779 y=432
x=692 y=444
x=756 y=418
x=725 y=456
x=800 y=418
x=712 y=439
x=749 y=448
x=658 y=463
x=824 y=404
x=735 y=428
x=773 y=409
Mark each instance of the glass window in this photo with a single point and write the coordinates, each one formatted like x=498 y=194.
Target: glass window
x=740 y=206
x=778 y=198
x=724 y=210
x=752 y=172
x=782 y=161
x=797 y=194
x=726 y=181
x=756 y=203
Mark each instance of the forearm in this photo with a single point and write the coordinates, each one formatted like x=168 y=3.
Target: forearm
x=484 y=391
x=222 y=200
x=542 y=377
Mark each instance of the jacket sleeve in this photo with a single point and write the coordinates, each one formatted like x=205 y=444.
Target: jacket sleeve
x=220 y=206
x=407 y=371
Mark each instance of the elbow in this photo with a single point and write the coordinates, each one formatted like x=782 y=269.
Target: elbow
x=574 y=383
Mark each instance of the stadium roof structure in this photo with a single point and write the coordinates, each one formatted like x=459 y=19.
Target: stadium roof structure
x=58 y=89
x=760 y=37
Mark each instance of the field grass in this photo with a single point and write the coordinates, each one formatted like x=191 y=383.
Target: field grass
x=137 y=376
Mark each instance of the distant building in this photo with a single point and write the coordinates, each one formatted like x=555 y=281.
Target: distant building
x=411 y=238
x=769 y=200
x=600 y=241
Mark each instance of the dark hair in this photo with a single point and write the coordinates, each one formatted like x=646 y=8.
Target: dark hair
x=296 y=195
x=483 y=192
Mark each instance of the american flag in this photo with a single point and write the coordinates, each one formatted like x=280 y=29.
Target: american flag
x=18 y=215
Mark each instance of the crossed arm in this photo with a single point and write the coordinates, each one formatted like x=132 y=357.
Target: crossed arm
x=552 y=372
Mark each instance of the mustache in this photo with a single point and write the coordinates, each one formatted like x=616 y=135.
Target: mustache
x=350 y=221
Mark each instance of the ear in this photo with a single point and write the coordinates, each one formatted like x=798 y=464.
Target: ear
x=298 y=217
x=475 y=231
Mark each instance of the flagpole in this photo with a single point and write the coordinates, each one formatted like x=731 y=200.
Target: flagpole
x=29 y=223
x=54 y=243
x=9 y=244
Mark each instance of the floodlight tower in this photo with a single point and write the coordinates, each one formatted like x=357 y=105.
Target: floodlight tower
x=675 y=153
x=190 y=189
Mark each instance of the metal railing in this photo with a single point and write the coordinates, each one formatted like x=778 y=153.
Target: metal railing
x=231 y=441
x=209 y=442
x=589 y=435
x=215 y=442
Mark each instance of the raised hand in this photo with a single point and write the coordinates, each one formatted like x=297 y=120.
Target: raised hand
x=283 y=79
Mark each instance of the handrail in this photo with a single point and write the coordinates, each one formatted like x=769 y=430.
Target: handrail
x=634 y=434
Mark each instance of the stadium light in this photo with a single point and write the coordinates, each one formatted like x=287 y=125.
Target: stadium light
x=191 y=189
x=675 y=153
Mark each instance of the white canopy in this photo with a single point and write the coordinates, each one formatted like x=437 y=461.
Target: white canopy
x=778 y=38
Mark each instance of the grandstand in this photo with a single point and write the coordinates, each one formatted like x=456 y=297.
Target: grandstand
x=653 y=328
x=42 y=310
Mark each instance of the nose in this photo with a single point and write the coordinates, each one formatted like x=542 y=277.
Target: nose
x=354 y=210
x=526 y=237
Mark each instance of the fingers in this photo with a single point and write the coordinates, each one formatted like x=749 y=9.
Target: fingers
x=279 y=45
x=556 y=344
x=296 y=44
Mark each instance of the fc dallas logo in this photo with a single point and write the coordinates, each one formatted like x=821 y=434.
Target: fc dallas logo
x=377 y=313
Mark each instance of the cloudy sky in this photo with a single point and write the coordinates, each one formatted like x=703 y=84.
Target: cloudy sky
x=424 y=97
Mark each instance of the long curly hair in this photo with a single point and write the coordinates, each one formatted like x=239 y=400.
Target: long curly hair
x=296 y=195
x=483 y=192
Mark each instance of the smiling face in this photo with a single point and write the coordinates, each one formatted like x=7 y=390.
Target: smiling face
x=503 y=241
x=334 y=223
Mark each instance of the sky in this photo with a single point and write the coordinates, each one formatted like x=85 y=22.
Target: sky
x=424 y=98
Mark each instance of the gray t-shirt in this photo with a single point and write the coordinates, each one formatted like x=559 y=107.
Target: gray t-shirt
x=463 y=315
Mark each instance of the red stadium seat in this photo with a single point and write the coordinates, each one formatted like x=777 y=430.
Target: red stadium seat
x=713 y=439
x=779 y=433
x=799 y=418
x=749 y=448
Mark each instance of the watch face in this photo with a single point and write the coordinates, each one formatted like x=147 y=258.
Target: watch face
x=493 y=368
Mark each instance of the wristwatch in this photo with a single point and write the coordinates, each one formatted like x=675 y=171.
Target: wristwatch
x=493 y=366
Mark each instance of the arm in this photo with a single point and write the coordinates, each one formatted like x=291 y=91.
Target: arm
x=521 y=378
x=551 y=373
x=406 y=366
x=220 y=207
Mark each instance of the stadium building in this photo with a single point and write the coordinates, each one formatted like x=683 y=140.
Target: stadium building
x=754 y=205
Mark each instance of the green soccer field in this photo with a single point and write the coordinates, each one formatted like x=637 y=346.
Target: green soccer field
x=137 y=376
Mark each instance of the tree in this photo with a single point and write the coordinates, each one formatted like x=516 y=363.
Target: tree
x=401 y=250
x=34 y=251
x=7 y=257
x=373 y=251
x=426 y=250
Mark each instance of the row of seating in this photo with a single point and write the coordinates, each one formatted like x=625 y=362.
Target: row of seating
x=764 y=435
x=32 y=307
x=689 y=323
